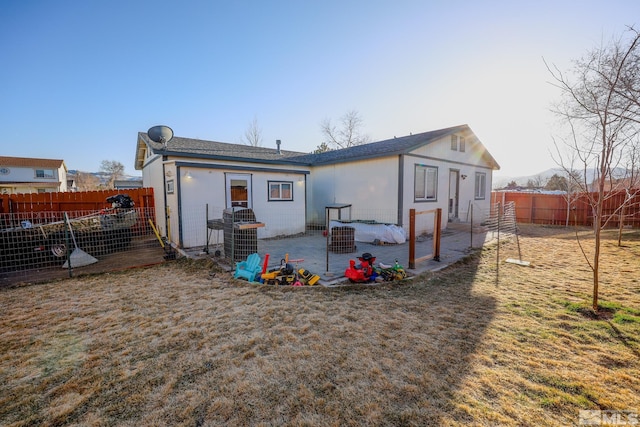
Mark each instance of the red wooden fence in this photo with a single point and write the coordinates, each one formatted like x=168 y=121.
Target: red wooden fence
x=70 y=202
x=49 y=207
x=537 y=208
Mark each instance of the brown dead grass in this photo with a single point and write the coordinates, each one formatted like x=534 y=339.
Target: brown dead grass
x=181 y=344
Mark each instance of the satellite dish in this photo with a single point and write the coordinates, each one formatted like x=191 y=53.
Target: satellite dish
x=162 y=134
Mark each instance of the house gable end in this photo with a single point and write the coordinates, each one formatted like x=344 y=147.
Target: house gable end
x=394 y=146
x=461 y=147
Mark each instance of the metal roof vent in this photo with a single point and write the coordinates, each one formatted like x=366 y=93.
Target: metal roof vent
x=278 y=142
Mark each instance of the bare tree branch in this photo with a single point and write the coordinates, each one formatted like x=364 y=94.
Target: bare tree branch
x=347 y=135
x=253 y=134
x=601 y=108
x=113 y=169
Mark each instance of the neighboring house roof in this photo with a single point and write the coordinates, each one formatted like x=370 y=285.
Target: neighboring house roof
x=27 y=162
x=219 y=150
x=127 y=183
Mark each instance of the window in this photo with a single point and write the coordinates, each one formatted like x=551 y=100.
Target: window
x=44 y=173
x=463 y=144
x=426 y=183
x=481 y=185
x=280 y=190
x=454 y=142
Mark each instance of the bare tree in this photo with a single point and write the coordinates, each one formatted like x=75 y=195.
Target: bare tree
x=253 y=134
x=113 y=169
x=346 y=134
x=600 y=107
x=86 y=181
x=537 y=181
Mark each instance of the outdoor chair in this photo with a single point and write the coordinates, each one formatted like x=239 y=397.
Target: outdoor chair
x=249 y=269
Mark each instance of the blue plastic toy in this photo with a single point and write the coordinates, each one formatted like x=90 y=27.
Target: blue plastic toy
x=249 y=269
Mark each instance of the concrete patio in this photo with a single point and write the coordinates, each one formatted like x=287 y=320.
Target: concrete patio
x=311 y=251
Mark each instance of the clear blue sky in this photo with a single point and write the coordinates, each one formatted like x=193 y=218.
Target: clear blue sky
x=80 y=79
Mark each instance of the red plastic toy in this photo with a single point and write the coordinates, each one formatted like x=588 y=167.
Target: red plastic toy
x=362 y=272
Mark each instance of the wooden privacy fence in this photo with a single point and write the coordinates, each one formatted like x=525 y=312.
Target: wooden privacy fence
x=537 y=208
x=71 y=201
x=47 y=207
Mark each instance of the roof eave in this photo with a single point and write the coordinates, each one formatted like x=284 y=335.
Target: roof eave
x=287 y=161
x=140 y=152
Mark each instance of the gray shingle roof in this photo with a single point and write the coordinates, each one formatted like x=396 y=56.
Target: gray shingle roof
x=399 y=145
x=188 y=147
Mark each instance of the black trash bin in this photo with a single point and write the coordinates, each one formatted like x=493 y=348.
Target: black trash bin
x=239 y=242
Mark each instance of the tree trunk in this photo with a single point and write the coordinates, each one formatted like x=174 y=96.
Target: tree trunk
x=621 y=223
x=596 y=265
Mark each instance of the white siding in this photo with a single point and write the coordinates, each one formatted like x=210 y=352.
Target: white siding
x=152 y=177
x=22 y=179
x=370 y=186
x=439 y=154
x=207 y=186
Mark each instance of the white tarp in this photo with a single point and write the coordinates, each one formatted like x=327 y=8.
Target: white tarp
x=367 y=232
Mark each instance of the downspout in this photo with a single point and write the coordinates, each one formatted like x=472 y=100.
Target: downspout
x=164 y=197
x=179 y=190
x=306 y=220
x=400 y=188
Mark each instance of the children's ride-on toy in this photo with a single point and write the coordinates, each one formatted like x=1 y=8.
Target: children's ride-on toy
x=392 y=272
x=363 y=272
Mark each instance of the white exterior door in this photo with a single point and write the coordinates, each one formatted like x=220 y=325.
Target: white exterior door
x=238 y=189
x=453 y=193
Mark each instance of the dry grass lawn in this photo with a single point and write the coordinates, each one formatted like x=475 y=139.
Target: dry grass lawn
x=176 y=344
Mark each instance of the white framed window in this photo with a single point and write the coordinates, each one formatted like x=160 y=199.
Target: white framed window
x=44 y=173
x=481 y=185
x=280 y=190
x=463 y=145
x=454 y=142
x=425 y=183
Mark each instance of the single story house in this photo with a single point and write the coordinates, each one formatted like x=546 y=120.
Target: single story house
x=196 y=180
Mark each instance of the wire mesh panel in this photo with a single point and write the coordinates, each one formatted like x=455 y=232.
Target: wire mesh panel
x=342 y=240
x=31 y=244
x=240 y=233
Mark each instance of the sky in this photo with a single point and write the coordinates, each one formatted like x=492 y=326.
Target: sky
x=80 y=79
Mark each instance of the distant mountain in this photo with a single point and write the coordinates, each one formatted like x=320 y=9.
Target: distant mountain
x=104 y=177
x=503 y=181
